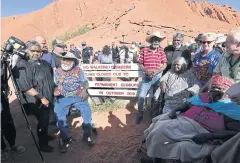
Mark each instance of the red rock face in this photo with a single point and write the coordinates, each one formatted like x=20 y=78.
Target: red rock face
x=223 y=13
x=121 y=20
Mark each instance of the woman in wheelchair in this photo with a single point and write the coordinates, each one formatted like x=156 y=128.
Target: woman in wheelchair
x=177 y=84
x=204 y=123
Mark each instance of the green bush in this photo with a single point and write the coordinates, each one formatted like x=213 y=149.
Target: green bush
x=108 y=106
x=71 y=34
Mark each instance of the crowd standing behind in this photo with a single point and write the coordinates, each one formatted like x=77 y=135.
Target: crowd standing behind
x=191 y=80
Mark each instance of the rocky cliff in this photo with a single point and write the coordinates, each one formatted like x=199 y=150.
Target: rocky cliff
x=121 y=20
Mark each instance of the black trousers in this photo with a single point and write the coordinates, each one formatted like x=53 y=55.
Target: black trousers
x=42 y=115
x=7 y=126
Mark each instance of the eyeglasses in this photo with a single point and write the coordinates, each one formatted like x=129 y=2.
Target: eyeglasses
x=204 y=42
x=176 y=40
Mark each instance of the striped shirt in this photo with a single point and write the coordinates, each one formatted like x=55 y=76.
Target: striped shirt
x=152 y=60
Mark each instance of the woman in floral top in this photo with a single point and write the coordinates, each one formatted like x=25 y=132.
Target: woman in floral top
x=206 y=60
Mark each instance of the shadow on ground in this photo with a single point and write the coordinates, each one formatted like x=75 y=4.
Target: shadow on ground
x=117 y=140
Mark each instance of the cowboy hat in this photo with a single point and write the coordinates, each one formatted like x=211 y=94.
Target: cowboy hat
x=155 y=34
x=69 y=55
x=58 y=43
x=209 y=37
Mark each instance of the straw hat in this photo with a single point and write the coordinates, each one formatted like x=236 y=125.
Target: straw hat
x=209 y=37
x=155 y=34
x=69 y=55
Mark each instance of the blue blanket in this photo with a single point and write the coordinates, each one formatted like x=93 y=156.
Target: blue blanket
x=224 y=106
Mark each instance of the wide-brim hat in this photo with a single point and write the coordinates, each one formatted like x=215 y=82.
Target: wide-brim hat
x=209 y=37
x=58 y=43
x=69 y=55
x=155 y=34
x=199 y=37
x=221 y=38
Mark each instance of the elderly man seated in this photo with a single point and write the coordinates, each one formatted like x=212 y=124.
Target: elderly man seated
x=71 y=91
x=189 y=136
x=178 y=84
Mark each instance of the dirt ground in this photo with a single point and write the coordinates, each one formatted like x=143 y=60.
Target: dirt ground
x=117 y=140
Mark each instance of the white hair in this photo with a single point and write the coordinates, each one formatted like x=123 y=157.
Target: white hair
x=182 y=61
x=235 y=33
x=32 y=43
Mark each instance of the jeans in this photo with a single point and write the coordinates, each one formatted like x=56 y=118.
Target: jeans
x=146 y=86
x=61 y=109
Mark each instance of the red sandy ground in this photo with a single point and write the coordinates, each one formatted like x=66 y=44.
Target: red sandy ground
x=117 y=140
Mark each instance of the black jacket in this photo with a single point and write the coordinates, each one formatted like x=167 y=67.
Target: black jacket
x=56 y=63
x=172 y=54
x=34 y=75
x=86 y=54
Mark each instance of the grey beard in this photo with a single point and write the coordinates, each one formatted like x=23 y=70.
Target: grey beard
x=177 y=46
x=66 y=68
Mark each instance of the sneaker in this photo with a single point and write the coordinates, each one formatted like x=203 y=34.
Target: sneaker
x=4 y=155
x=66 y=145
x=47 y=149
x=89 y=140
x=18 y=149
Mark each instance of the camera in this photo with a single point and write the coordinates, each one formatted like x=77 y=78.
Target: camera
x=14 y=46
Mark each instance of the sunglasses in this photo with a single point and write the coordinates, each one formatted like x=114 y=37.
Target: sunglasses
x=35 y=51
x=204 y=42
x=61 y=46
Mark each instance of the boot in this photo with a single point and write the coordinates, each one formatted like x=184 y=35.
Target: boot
x=64 y=147
x=43 y=141
x=47 y=149
x=87 y=135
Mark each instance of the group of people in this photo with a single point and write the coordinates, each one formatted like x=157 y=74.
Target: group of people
x=189 y=84
x=196 y=114
x=49 y=82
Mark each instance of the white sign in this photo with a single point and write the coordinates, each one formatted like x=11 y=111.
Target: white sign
x=107 y=92
x=86 y=67
x=113 y=84
x=126 y=74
